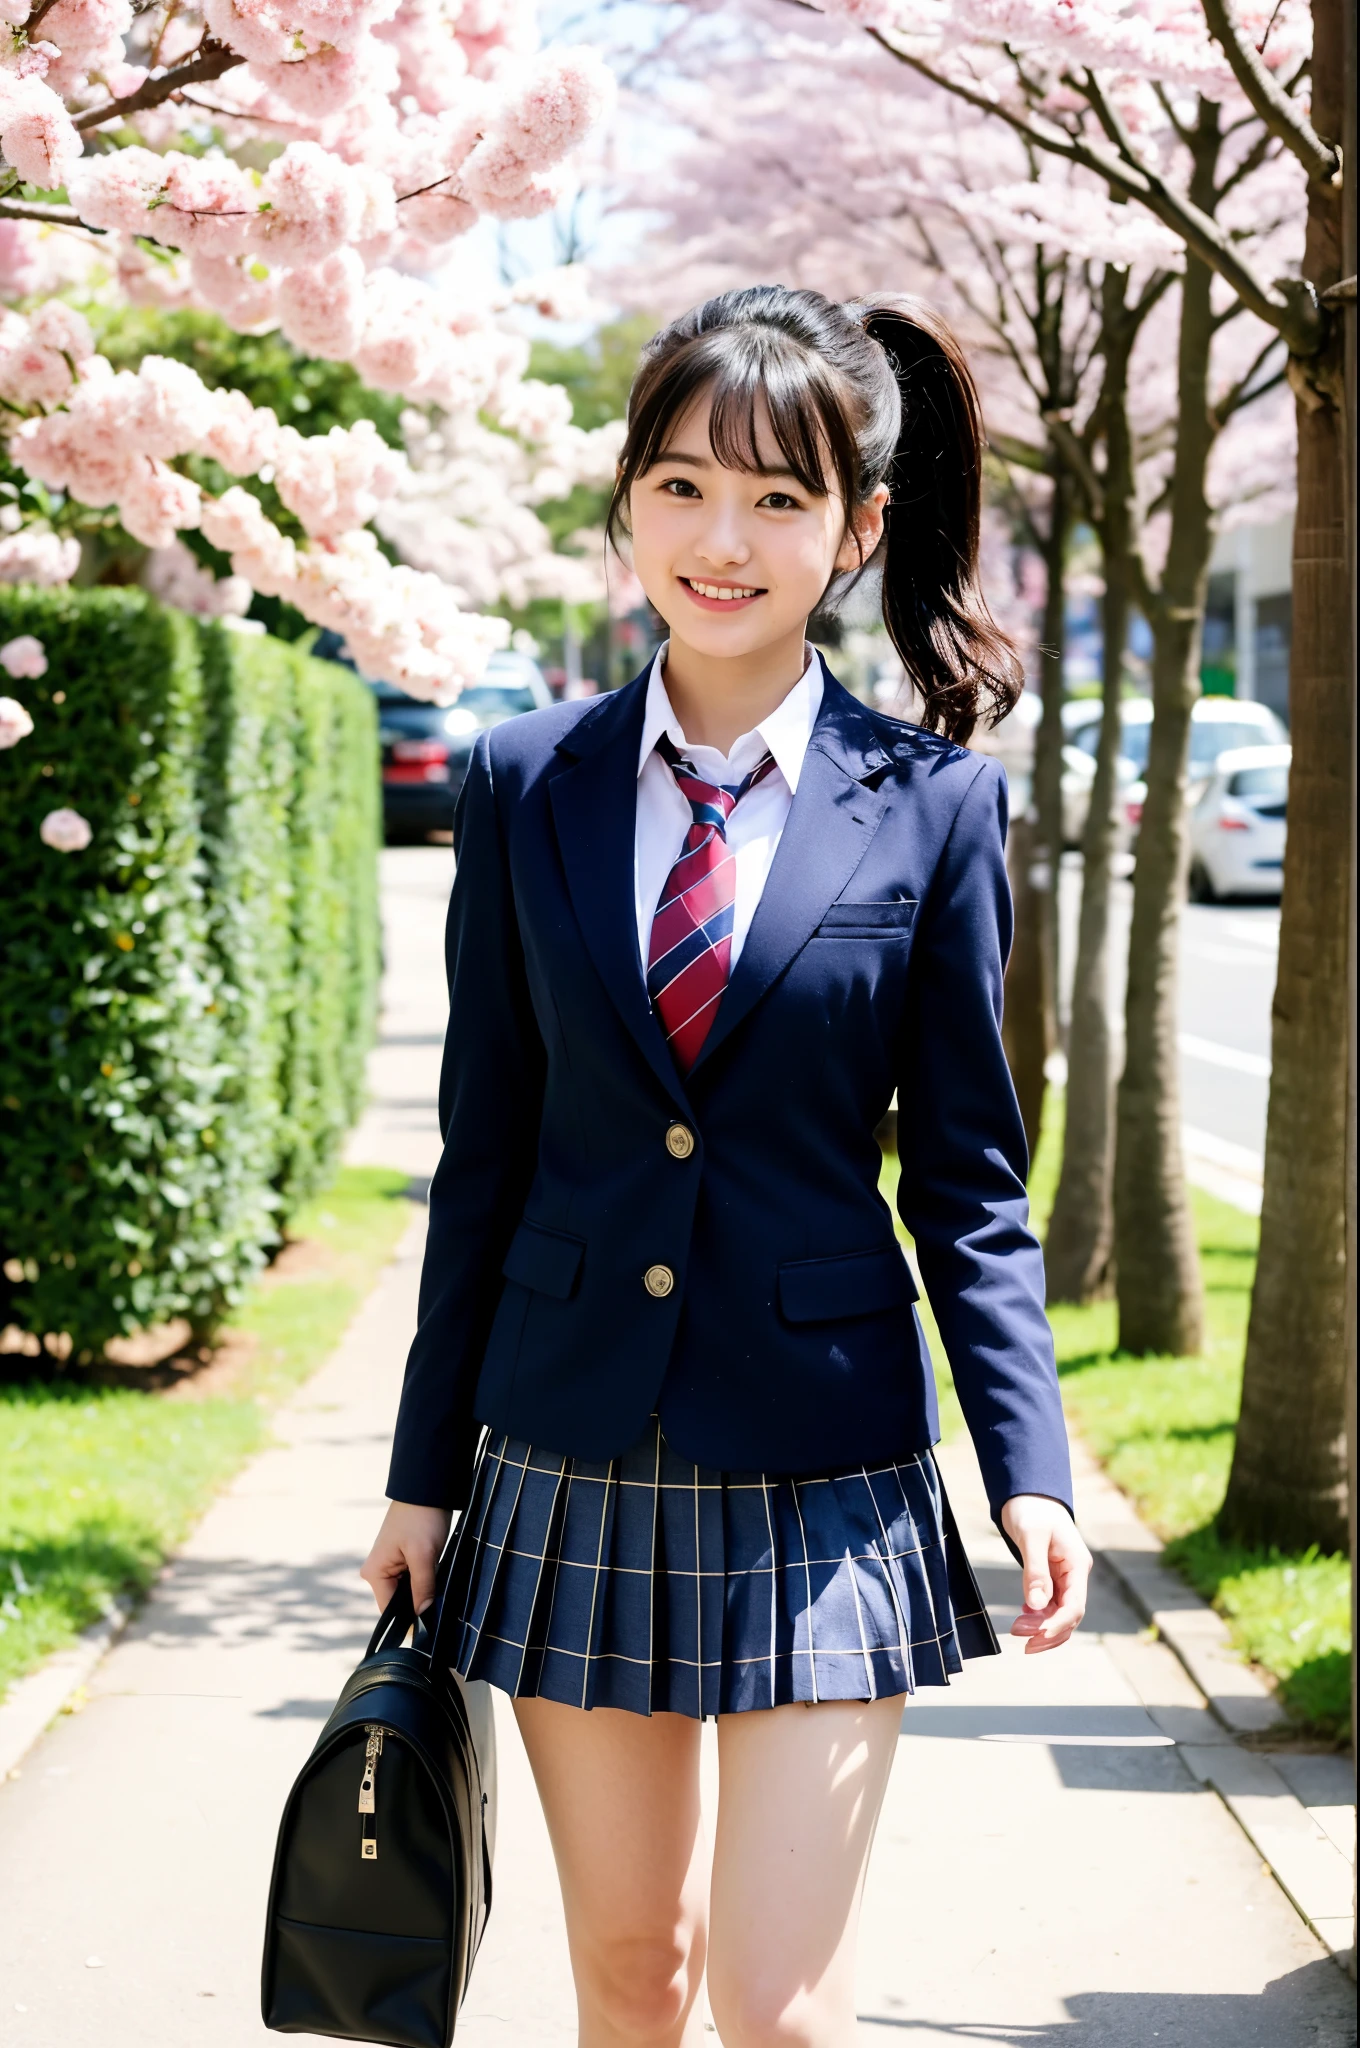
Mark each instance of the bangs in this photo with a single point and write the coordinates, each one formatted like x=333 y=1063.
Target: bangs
x=762 y=387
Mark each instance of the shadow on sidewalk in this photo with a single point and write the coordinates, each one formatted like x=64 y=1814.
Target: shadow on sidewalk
x=1313 y=2005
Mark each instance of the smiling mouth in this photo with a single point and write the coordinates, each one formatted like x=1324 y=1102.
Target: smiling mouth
x=721 y=594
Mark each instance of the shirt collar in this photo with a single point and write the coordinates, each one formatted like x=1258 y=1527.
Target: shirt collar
x=785 y=732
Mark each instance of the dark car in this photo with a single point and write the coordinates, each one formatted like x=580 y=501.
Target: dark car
x=426 y=747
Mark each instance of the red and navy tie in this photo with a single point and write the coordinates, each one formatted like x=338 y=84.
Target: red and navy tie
x=689 y=956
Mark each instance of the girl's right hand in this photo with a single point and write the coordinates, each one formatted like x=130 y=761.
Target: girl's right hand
x=410 y=1540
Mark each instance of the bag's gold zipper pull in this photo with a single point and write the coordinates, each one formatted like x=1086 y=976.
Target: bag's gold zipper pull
x=368 y=1790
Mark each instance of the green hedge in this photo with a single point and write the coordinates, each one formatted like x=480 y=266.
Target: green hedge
x=186 y=1005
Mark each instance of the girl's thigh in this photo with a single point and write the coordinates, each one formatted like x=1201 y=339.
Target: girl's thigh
x=799 y=1799
x=620 y=1793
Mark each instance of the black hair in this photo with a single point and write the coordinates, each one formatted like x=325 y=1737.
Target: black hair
x=873 y=391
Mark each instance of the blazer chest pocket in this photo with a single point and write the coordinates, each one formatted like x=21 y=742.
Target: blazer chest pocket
x=868 y=920
x=856 y=1284
x=546 y=1261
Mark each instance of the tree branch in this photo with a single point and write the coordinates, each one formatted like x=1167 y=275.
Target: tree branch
x=1077 y=457
x=1300 y=325
x=1280 y=113
x=1021 y=454
x=210 y=60
x=51 y=216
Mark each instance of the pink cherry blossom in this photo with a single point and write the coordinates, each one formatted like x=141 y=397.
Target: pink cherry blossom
x=322 y=308
x=37 y=134
x=243 y=291
x=115 y=191
x=15 y=723
x=325 y=83
x=315 y=204
x=560 y=98
x=24 y=656
x=239 y=525
x=333 y=482
x=174 y=576
x=20 y=258
x=88 y=35
x=251 y=26
x=211 y=205
x=155 y=502
x=80 y=453
x=65 y=831
x=241 y=436
x=166 y=411
x=37 y=555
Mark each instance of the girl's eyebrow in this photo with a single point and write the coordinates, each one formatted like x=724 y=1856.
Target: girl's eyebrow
x=707 y=462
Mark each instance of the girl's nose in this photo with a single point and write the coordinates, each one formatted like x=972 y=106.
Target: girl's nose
x=723 y=542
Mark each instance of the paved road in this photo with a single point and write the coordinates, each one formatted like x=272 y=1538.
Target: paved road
x=1228 y=954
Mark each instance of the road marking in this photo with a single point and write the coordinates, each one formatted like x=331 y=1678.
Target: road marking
x=1266 y=936
x=1230 y=1056
x=1230 y=956
x=1236 y=1158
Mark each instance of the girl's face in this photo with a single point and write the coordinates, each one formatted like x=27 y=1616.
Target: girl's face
x=735 y=560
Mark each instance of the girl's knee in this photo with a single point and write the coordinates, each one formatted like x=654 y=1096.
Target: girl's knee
x=639 y=1987
x=754 y=2011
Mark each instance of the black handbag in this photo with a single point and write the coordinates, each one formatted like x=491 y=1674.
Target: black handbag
x=382 y=1874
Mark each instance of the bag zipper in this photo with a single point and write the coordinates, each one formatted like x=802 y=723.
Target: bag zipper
x=368 y=1801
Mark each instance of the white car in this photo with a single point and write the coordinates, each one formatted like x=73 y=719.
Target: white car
x=1216 y=725
x=1237 y=828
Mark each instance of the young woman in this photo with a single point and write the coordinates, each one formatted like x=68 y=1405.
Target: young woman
x=700 y=932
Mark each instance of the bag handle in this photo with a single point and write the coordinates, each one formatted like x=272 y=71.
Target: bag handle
x=396 y=1619
x=399 y=1617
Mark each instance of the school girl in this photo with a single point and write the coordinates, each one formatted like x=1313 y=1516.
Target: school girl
x=668 y=1365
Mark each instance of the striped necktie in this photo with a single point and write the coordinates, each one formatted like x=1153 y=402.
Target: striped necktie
x=689 y=956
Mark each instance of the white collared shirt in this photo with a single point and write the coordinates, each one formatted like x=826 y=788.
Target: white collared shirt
x=753 y=830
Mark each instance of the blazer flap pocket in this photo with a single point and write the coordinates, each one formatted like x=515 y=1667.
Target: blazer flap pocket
x=857 y=1284
x=548 y=1261
x=868 y=920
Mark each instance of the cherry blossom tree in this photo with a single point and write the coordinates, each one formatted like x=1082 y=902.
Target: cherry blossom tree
x=835 y=164
x=391 y=128
x=1176 y=106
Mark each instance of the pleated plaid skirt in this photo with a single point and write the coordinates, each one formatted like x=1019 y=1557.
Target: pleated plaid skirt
x=652 y=1584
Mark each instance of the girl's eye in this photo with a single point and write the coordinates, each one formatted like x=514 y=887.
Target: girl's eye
x=681 y=487
x=780 y=501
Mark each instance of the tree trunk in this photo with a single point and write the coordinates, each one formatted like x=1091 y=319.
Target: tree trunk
x=1023 y=1020
x=1048 y=744
x=1081 y=1231
x=1030 y=1027
x=1161 y=1300
x=1288 y=1480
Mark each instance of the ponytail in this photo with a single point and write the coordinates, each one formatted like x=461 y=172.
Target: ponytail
x=962 y=664
x=876 y=391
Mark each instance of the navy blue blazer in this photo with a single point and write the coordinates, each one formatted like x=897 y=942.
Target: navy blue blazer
x=788 y=1341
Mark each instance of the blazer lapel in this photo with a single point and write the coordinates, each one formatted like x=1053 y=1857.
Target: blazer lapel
x=833 y=817
x=594 y=803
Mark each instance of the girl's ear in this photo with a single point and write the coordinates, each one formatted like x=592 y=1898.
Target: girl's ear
x=863 y=532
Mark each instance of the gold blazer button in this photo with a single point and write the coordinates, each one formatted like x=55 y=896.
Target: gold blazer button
x=658 y=1280
x=679 y=1141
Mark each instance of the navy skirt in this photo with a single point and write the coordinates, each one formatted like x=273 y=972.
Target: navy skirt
x=648 y=1583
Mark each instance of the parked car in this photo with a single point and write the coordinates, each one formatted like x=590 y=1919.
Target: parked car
x=1237 y=828
x=426 y=747
x=1217 y=724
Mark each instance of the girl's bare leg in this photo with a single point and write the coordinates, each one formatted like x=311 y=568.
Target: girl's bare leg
x=800 y=1792
x=621 y=1796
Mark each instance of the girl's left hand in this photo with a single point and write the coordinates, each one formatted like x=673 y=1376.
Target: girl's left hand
x=1057 y=1567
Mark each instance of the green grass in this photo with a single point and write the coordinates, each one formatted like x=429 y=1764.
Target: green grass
x=100 y=1484
x=1163 y=1429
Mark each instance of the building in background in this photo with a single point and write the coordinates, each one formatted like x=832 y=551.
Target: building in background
x=1247 y=617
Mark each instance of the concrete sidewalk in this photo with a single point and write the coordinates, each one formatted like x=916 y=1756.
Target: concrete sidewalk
x=1052 y=1865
